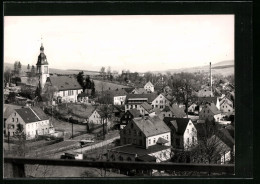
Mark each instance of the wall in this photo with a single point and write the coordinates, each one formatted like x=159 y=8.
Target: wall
x=119 y=100
x=190 y=132
x=68 y=98
x=160 y=102
x=154 y=139
x=162 y=155
x=13 y=124
x=226 y=109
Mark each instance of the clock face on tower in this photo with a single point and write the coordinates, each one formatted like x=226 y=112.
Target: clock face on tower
x=45 y=69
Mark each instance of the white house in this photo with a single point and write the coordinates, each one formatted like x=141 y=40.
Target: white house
x=192 y=108
x=205 y=92
x=149 y=87
x=226 y=108
x=145 y=109
x=210 y=112
x=172 y=111
x=161 y=101
x=96 y=117
x=143 y=139
x=30 y=120
x=139 y=91
x=226 y=100
x=202 y=101
x=184 y=133
x=67 y=88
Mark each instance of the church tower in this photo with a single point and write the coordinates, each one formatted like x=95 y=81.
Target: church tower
x=42 y=67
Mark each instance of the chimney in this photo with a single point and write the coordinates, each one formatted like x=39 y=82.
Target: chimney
x=210 y=75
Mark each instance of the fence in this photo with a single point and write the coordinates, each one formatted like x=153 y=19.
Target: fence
x=18 y=165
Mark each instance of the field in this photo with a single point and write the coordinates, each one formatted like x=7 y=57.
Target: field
x=107 y=86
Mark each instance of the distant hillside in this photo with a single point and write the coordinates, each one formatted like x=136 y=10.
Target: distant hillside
x=54 y=70
x=224 y=67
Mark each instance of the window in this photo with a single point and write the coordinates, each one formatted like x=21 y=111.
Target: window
x=192 y=129
x=132 y=126
x=154 y=140
x=63 y=93
x=163 y=115
x=135 y=106
x=156 y=101
x=188 y=140
x=135 y=132
x=160 y=155
x=120 y=158
x=15 y=114
x=187 y=130
x=193 y=140
x=13 y=119
x=149 y=141
x=156 y=106
x=127 y=106
x=167 y=137
x=16 y=119
x=129 y=132
x=125 y=116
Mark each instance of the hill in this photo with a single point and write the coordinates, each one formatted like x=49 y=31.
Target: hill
x=224 y=67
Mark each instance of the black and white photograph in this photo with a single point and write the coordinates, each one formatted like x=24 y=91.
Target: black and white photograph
x=119 y=96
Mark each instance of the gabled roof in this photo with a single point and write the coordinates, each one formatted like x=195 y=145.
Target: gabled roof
x=225 y=136
x=149 y=96
x=212 y=107
x=30 y=115
x=147 y=106
x=136 y=113
x=151 y=126
x=148 y=83
x=177 y=111
x=64 y=82
x=181 y=123
x=9 y=109
x=167 y=96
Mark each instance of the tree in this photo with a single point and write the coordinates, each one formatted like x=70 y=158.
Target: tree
x=102 y=71
x=183 y=88
x=27 y=92
x=49 y=92
x=33 y=72
x=28 y=67
x=80 y=79
x=7 y=75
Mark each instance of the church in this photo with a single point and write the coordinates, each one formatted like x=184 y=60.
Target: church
x=65 y=88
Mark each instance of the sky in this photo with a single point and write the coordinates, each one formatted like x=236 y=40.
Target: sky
x=139 y=43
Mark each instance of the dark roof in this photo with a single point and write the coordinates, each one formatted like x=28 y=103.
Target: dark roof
x=213 y=108
x=132 y=149
x=136 y=113
x=129 y=90
x=204 y=100
x=201 y=130
x=65 y=82
x=146 y=158
x=147 y=106
x=181 y=123
x=150 y=96
x=161 y=141
x=151 y=126
x=177 y=111
x=30 y=115
x=225 y=136
x=113 y=93
x=42 y=59
x=167 y=96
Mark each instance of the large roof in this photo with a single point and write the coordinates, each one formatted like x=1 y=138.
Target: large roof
x=150 y=96
x=181 y=123
x=118 y=92
x=30 y=115
x=151 y=126
x=213 y=108
x=65 y=82
x=140 y=91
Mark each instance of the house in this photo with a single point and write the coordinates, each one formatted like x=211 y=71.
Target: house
x=8 y=110
x=172 y=111
x=128 y=116
x=149 y=87
x=135 y=100
x=205 y=92
x=145 y=109
x=67 y=88
x=226 y=108
x=227 y=100
x=83 y=97
x=161 y=101
x=183 y=131
x=193 y=108
x=139 y=91
x=202 y=101
x=30 y=120
x=143 y=139
x=210 y=112
x=98 y=116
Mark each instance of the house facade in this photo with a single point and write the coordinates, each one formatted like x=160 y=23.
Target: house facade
x=97 y=118
x=184 y=133
x=128 y=116
x=226 y=108
x=31 y=121
x=149 y=87
x=66 y=88
x=210 y=112
x=160 y=102
x=172 y=111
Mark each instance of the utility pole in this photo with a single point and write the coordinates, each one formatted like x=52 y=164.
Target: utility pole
x=210 y=75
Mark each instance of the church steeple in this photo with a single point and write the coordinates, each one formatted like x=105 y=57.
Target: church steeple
x=42 y=67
